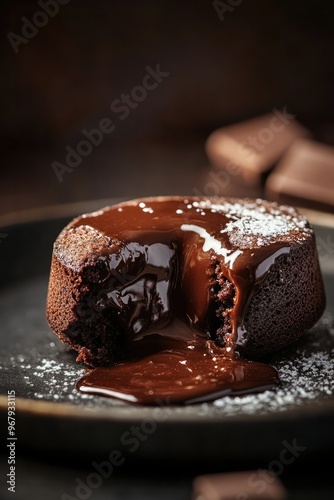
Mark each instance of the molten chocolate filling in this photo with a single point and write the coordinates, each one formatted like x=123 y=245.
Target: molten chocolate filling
x=163 y=284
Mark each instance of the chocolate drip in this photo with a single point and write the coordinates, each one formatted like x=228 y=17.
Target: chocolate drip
x=161 y=276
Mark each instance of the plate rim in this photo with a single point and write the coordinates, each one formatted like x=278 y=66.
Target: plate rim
x=29 y=406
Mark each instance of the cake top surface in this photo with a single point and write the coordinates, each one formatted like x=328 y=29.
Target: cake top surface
x=224 y=224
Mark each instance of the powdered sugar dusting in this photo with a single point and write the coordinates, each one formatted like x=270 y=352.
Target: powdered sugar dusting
x=48 y=379
x=256 y=222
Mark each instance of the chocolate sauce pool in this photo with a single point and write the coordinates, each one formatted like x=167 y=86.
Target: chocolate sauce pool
x=178 y=372
x=159 y=279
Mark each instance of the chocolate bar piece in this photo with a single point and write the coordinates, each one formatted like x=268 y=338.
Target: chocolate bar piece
x=253 y=485
x=254 y=145
x=304 y=176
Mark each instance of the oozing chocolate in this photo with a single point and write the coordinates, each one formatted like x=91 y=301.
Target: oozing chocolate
x=162 y=271
x=171 y=371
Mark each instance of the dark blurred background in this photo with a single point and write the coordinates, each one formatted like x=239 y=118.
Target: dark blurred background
x=63 y=79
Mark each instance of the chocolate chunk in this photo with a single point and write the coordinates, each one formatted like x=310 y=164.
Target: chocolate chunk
x=254 y=145
x=250 y=485
x=304 y=176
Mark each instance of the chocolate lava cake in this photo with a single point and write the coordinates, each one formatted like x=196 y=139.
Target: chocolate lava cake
x=242 y=272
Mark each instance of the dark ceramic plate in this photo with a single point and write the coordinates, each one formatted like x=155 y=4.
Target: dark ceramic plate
x=52 y=416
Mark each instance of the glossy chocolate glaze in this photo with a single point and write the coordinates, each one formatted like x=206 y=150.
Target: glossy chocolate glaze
x=160 y=275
